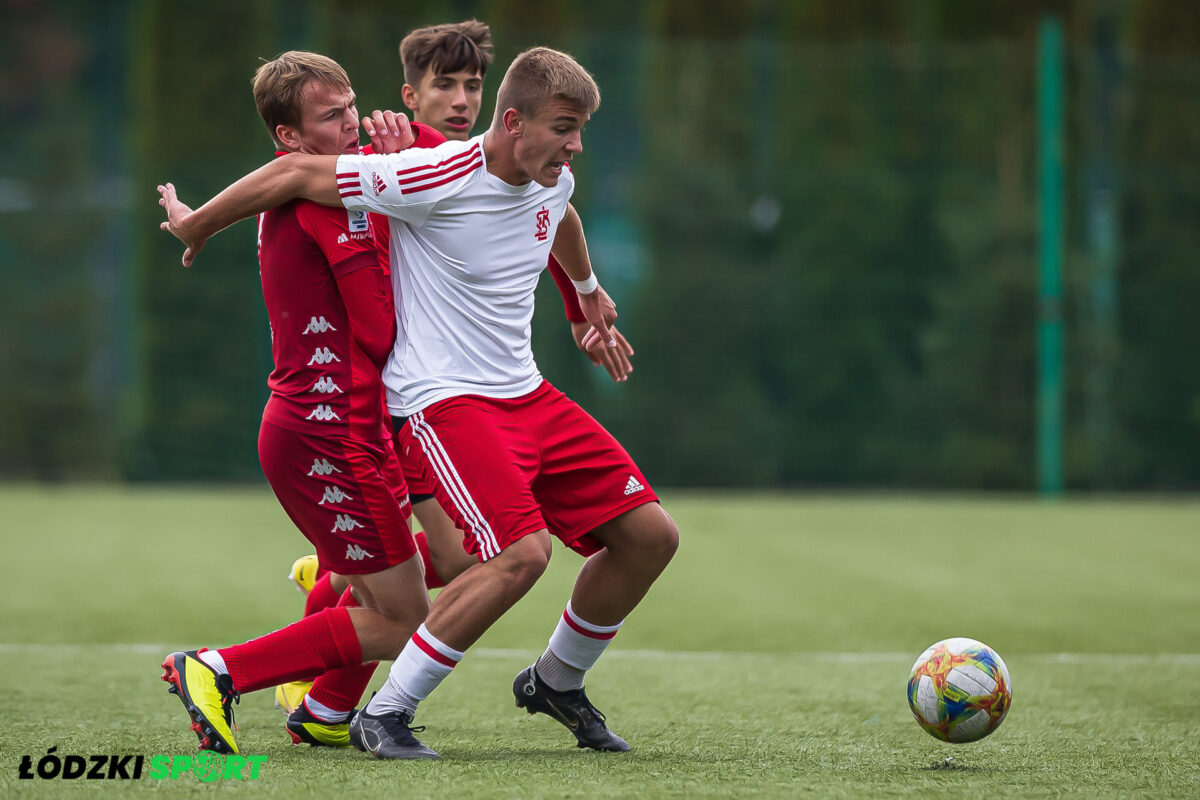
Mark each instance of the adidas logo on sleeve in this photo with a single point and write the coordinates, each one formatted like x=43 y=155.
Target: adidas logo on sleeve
x=633 y=486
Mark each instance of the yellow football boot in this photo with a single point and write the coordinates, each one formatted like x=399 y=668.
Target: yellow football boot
x=207 y=697
x=303 y=727
x=290 y=696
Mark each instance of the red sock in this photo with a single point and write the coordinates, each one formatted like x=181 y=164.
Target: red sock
x=321 y=596
x=341 y=689
x=301 y=651
x=432 y=579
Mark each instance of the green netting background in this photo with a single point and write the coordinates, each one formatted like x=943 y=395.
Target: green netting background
x=820 y=220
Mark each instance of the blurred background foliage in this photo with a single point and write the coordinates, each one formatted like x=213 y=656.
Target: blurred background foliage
x=819 y=218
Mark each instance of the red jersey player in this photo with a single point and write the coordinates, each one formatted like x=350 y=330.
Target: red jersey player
x=324 y=444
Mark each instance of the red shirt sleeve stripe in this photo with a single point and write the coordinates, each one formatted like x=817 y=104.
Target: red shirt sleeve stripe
x=466 y=170
x=449 y=163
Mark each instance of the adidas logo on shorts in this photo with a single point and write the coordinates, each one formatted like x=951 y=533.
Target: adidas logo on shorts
x=633 y=486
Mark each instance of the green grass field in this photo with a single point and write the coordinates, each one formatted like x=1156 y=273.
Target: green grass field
x=770 y=660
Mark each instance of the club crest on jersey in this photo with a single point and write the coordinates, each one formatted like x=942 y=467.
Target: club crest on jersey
x=377 y=184
x=357 y=220
x=543 y=225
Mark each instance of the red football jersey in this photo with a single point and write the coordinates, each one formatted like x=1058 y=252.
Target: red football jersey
x=324 y=380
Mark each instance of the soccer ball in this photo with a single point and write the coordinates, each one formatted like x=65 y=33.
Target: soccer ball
x=959 y=690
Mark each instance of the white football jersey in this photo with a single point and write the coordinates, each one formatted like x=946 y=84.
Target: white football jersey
x=467 y=252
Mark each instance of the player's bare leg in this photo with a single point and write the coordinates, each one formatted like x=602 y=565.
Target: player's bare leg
x=206 y=681
x=638 y=545
x=440 y=543
x=445 y=540
x=462 y=612
x=396 y=594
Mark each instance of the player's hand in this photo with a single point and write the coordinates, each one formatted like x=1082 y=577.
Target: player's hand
x=615 y=360
x=601 y=312
x=389 y=132
x=176 y=224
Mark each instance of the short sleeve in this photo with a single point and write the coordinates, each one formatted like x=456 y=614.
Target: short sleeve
x=406 y=185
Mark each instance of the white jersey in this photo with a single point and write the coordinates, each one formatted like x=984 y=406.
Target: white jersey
x=467 y=250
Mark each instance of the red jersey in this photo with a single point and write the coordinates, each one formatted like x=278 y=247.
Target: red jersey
x=326 y=379
x=328 y=362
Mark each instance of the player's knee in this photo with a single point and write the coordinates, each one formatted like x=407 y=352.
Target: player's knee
x=338 y=583
x=527 y=558
x=663 y=540
x=654 y=537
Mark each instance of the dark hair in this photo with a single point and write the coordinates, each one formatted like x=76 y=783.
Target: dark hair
x=446 y=48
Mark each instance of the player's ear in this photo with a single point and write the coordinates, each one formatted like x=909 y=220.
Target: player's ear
x=288 y=136
x=514 y=123
x=409 y=95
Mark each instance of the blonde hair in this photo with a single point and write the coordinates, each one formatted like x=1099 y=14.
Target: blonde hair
x=541 y=74
x=279 y=86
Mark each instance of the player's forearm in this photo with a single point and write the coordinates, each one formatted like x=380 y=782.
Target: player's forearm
x=570 y=247
x=284 y=179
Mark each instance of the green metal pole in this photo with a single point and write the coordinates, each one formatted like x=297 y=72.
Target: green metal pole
x=1050 y=291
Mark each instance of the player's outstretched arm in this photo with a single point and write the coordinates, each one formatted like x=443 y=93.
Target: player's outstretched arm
x=570 y=248
x=284 y=179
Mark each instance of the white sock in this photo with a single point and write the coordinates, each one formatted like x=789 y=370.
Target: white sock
x=575 y=646
x=324 y=712
x=421 y=666
x=214 y=660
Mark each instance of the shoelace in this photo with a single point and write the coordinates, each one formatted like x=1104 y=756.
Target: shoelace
x=396 y=721
x=228 y=698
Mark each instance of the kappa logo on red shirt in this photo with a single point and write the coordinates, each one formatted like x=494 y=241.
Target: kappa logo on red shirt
x=377 y=184
x=543 y=225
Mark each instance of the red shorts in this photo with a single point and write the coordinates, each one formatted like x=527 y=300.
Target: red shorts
x=506 y=468
x=412 y=462
x=347 y=497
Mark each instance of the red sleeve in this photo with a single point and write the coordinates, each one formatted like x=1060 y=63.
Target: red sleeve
x=567 y=290
x=367 y=294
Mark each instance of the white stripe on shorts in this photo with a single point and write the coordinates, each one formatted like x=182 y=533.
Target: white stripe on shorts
x=449 y=478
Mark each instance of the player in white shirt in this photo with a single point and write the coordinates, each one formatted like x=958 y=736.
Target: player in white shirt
x=513 y=458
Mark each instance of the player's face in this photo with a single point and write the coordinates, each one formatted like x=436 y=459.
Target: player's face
x=329 y=122
x=449 y=103
x=549 y=140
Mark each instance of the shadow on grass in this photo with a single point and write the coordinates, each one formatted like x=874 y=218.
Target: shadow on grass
x=948 y=764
